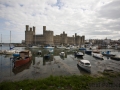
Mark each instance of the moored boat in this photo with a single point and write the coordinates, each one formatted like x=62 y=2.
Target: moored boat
x=98 y=55
x=16 y=54
x=34 y=47
x=85 y=64
x=25 y=57
x=47 y=56
x=39 y=52
x=82 y=48
x=88 y=52
x=115 y=58
x=8 y=52
x=61 y=47
x=48 y=47
x=107 y=53
x=95 y=51
x=51 y=50
x=78 y=54
x=62 y=53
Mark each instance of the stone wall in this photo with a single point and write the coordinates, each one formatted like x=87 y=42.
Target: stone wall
x=48 y=38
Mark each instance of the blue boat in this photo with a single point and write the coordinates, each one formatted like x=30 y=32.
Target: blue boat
x=82 y=48
x=89 y=52
x=107 y=53
x=16 y=55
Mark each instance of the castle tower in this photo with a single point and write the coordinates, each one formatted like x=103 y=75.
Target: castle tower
x=75 y=38
x=33 y=30
x=64 y=38
x=28 y=35
x=48 y=36
x=83 y=39
x=44 y=28
x=27 y=27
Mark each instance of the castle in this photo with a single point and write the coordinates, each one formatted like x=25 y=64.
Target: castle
x=48 y=38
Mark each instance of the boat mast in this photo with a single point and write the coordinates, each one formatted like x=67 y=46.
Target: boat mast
x=35 y=39
x=10 y=41
x=1 y=38
x=1 y=41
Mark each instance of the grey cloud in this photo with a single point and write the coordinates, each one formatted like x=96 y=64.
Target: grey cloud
x=111 y=10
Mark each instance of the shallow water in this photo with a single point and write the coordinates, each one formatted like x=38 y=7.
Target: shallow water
x=41 y=68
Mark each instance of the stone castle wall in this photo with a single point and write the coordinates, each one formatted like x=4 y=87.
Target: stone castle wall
x=48 y=38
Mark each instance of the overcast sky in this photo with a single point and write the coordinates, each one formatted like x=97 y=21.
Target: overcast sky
x=96 y=19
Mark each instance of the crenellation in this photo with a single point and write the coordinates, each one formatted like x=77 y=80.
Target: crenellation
x=48 y=37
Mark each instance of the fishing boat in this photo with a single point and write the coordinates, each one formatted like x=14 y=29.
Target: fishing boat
x=98 y=55
x=85 y=64
x=21 y=68
x=107 y=53
x=25 y=57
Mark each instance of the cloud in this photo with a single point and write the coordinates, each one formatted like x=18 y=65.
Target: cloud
x=111 y=10
x=92 y=18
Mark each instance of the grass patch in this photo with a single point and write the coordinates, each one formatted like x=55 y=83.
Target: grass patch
x=74 y=82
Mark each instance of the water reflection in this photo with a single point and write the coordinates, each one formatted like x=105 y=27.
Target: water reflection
x=55 y=65
x=21 y=68
x=47 y=59
x=62 y=57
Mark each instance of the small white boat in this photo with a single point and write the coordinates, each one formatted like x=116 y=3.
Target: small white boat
x=67 y=48
x=34 y=47
x=78 y=54
x=61 y=47
x=85 y=64
x=99 y=56
x=62 y=53
x=51 y=50
x=48 y=47
x=8 y=52
x=39 y=52
x=2 y=51
x=73 y=47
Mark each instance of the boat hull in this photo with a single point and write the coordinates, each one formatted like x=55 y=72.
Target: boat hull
x=108 y=55
x=99 y=56
x=88 y=69
x=115 y=58
x=16 y=55
x=88 y=52
x=20 y=61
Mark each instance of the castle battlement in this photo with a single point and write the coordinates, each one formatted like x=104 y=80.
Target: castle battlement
x=48 y=37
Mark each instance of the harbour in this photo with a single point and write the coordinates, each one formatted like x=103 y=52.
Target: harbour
x=39 y=67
